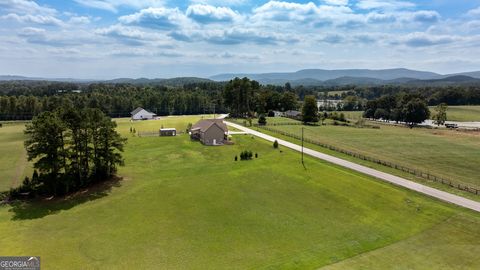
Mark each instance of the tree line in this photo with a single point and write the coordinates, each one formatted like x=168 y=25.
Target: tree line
x=71 y=149
x=433 y=95
x=23 y=100
x=411 y=109
x=245 y=97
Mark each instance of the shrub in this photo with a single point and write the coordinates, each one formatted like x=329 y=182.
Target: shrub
x=275 y=144
x=236 y=158
x=246 y=155
x=256 y=155
x=262 y=120
x=271 y=114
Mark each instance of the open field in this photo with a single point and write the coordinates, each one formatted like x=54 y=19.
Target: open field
x=13 y=157
x=462 y=113
x=454 y=113
x=445 y=153
x=182 y=205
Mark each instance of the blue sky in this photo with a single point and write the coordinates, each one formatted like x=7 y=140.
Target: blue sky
x=102 y=39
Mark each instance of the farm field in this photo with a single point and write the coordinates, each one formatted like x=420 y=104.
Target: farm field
x=454 y=113
x=13 y=157
x=183 y=205
x=462 y=113
x=449 y=154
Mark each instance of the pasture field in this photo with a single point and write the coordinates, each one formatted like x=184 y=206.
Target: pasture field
x=13 y=157
x=445 y=153
x=181 y=205
x=462 y=113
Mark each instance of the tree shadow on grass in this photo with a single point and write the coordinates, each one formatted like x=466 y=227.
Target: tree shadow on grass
x=39 y=208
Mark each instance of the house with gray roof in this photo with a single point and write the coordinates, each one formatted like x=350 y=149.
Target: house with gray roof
x=210 y=132
x=142 y=114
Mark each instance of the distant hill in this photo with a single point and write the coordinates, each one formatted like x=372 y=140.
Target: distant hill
x=325 y=75
x=23 y=78
x=180 y=81
x=305 y=77
x=167 y=82
x=451 y=80
x=474 y=74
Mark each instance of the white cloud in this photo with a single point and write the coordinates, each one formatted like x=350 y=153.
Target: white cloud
x=474 y=12
x=210 y=14
x=336 y=2
x=25 y=7
x=156 y=18
x=381 y=18
x=113 y=5
x=291 y=12
x=420 y=39
x=79 y=20
x=220 y=2
x=384 y=4
x=35 y=19
x=426 y=16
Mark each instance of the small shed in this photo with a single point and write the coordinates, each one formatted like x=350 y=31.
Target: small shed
x=168 y=132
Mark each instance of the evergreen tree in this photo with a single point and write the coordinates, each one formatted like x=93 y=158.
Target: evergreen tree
x=310 y=110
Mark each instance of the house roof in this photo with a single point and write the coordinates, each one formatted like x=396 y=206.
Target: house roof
x=292 y=112
x=137 y=110
x=204 y=125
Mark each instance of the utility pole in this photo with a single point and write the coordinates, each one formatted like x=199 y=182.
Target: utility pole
x=302 y=150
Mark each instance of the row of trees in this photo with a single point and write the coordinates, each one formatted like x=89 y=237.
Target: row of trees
x=116 y=101
x=239 y=96
x=408 y=108
x=244 y=97
x=433 y=95
x=71 y=149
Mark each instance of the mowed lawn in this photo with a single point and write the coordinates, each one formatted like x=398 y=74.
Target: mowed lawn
x=13 y=157
x=449 y=154
x=182 y=205
x=462 y=113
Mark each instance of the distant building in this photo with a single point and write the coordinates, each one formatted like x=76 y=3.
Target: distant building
x=292 y=114
x=278 y=113
x=168 y=132
x=210 y=132
x=142 y=114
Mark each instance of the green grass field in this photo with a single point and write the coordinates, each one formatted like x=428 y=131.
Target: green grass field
x=454 y=113
x=182 y=205
x=445 y=153
x=13 y=157
x=462 y=113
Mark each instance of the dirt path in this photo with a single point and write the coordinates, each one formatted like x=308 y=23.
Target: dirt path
x=442 y=195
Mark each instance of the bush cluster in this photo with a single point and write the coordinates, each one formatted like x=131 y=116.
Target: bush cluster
x=246 y=155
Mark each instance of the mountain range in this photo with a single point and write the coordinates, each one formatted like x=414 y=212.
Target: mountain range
x=353 y=76
x=306 y=77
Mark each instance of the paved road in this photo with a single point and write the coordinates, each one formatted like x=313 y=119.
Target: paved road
x=442 y=195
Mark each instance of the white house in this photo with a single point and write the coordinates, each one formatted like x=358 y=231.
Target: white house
x=142 y=114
